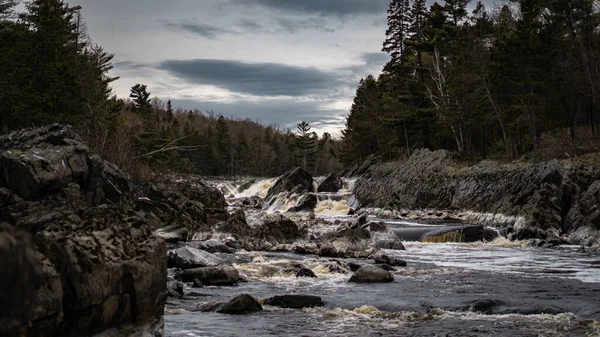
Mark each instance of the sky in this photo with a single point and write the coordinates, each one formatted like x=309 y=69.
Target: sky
x=274 y=61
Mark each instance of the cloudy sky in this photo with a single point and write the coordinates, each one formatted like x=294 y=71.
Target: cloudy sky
x=276 y=61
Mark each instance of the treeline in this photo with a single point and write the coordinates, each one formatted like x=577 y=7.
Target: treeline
x=207 y=143
x=50 y=71
x=483 y=82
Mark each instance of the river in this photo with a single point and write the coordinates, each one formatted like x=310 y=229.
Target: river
x=498 y=288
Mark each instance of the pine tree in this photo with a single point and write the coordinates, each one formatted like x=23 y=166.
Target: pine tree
x=169 y=109
x=7 y=7
x=306 y=143
x=456 y=10
x=140 y=95
x=397 y=31
x=223 y=145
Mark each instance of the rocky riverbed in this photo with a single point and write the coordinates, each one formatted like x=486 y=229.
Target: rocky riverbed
x=89 y=252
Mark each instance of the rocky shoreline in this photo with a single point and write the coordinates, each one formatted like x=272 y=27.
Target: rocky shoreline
x=77 y=241
x=553 y=200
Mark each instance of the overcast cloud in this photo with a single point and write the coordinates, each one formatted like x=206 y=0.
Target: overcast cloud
x=276 y=61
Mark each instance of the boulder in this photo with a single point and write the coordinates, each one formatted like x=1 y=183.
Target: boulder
x=296 y=180
x=305 y=272
x=353 y=266
x=371 y=274
x=382 y=258
x=307 y=202
x=189 y=257
x=215 y=246
x=242 y=304
x=348 y=242
x=294 y=301
x=215 y=276
x=332 y=183
x=175 y=289
x=276 y=228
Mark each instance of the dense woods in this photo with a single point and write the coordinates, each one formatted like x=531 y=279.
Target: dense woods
x=51 y=71
x=520 y=78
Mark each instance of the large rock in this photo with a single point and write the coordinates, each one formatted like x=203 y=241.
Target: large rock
x=332 y=183
x=242 y=304
x=307 y=202
x=189 y=257
x=296 y=180
x=215 y=276
x=371 y=274
x=349 y=242
x=78 y=257
x=294 y=301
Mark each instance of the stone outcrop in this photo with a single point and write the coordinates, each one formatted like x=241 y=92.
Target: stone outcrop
x=77 y=241
x=542 y=200
x=86 y=261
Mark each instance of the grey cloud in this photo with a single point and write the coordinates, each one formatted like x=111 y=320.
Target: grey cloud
x=201 y=29
x=338 y=8
x=261 y=79
x=296 y=25
x=250 y=25
x=285 y=113
x=375 y=59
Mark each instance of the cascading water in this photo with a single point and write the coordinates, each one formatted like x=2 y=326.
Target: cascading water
x=494 y=288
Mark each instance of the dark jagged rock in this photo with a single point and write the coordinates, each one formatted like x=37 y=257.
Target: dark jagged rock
x=307 y=202
x=175 y=289
x=371 y=274
x=242 y=304
x=544 y=200
x=89 y=259
x=295 y=301
x=277 y=228
x=215 y=276
x=236 y=225
x=353 y=266
x=189 y=257
x=305 y=272
x=215 y=246
x=297 y=181
x=332 y=183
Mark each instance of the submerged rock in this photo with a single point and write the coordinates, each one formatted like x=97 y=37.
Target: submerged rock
x=215 y=246
x=295 y=301
x=305 y=272
x=371 y=274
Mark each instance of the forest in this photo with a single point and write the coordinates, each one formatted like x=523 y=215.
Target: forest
x=518 y=80
x=52 y=72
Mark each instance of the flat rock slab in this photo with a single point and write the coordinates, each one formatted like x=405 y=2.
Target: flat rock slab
x=189 y=257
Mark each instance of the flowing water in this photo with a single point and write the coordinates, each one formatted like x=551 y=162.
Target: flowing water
x=498 y=288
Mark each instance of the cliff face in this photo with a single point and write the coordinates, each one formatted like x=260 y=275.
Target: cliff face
x=77 y=245
x=544 y=200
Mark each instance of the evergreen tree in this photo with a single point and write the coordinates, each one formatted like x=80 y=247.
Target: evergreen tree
x=140 y=96
x=169 y=109
x=223 y=146
x=306 y=143
x=397 y=31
